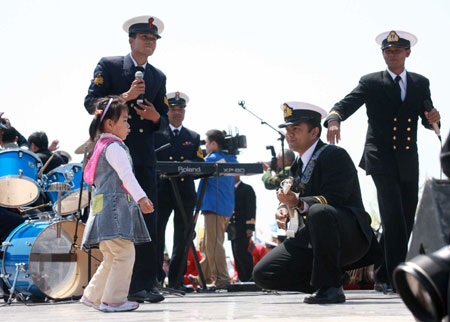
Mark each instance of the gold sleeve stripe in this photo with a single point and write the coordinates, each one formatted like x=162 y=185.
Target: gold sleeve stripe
x=250 y=222
x=166 y=101
x=321 y=199
x=337 y=113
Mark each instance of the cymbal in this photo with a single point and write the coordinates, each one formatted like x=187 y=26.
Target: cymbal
x=80 y=149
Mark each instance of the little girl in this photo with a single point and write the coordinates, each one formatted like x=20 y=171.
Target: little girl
x=115 y=221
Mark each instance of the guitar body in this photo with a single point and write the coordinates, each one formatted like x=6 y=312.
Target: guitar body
x=295 y=220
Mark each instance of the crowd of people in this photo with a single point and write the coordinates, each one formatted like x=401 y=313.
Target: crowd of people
x=133 y=117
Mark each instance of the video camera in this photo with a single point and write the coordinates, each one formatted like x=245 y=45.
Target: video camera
x=232 y=143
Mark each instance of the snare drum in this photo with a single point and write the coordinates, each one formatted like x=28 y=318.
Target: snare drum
x=19 y=184
x=71 y=174
x=51 y=267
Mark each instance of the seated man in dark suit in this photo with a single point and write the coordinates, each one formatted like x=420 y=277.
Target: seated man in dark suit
x=185 y=147
x=38 y=142
x=337 y=233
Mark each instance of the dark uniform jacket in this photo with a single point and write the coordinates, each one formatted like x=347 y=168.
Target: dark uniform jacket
x=56 y=161
x=186 y=146
x=390 y=146
x=244 y=214
x=113 y=76
x=334 y=181
x=445 y=157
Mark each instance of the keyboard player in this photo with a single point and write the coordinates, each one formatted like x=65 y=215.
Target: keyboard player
x=184 y=147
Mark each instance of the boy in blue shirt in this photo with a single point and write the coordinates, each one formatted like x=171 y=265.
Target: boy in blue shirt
x=217 y=208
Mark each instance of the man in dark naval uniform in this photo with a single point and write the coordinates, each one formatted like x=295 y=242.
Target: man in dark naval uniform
x=394 y=101
x=336 y=234
x=241 y=228
x=147 y=103
x=184 y=147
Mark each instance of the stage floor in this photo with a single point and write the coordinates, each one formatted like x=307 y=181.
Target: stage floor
x=220 y=306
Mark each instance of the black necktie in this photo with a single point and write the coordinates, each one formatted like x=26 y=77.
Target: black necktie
x=397 y=84
x=140 y=68
x=300 y=164
x=175 y=132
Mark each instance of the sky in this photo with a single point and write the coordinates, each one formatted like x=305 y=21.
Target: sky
x=219 y=53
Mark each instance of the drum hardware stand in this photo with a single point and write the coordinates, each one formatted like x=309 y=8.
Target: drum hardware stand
x=60 y=188
x=20 y=267
x=75 y=237
x=190 y=235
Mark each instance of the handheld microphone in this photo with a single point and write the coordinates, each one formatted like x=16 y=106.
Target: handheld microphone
x=428 y=107
x=139 y=76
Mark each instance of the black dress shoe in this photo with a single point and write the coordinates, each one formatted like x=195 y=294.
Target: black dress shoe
x=139 y=297
x=386 y=288
x=326 y=295
x=154 y=296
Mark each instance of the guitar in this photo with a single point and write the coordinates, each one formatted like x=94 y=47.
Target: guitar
x=295 y=220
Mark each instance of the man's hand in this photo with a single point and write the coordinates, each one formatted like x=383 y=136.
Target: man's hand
x=146 y=205
x=54 y=145
x=433 y=116
x=148 y=111
x=334 y=132
x=290 y=199
x=249 y=233
x=281 y=217
x=137 y=88
x=266 y=167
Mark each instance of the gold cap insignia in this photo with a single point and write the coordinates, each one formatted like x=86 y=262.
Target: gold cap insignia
x=200 y=153
x=392 y=37
x=98 y=79
x=287 y=111
x=177 y=96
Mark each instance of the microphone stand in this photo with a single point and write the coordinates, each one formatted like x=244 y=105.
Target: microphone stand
x=282 y=135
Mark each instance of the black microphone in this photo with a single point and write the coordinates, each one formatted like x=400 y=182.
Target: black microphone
x=428 y=107
x=139 y=76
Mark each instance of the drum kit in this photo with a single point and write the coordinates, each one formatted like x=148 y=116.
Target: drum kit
x=41 y=259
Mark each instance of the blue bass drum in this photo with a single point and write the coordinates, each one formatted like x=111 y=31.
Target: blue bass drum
x=71 y=174
x=51 y=266
x=19 y=184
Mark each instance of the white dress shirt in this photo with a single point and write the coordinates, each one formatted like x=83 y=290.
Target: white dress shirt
x=173 y=128
x=402 y=82
x=136 y=64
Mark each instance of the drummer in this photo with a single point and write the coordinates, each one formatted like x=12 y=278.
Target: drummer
x=39 y=144
x=9 y=138
x=5 y=124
